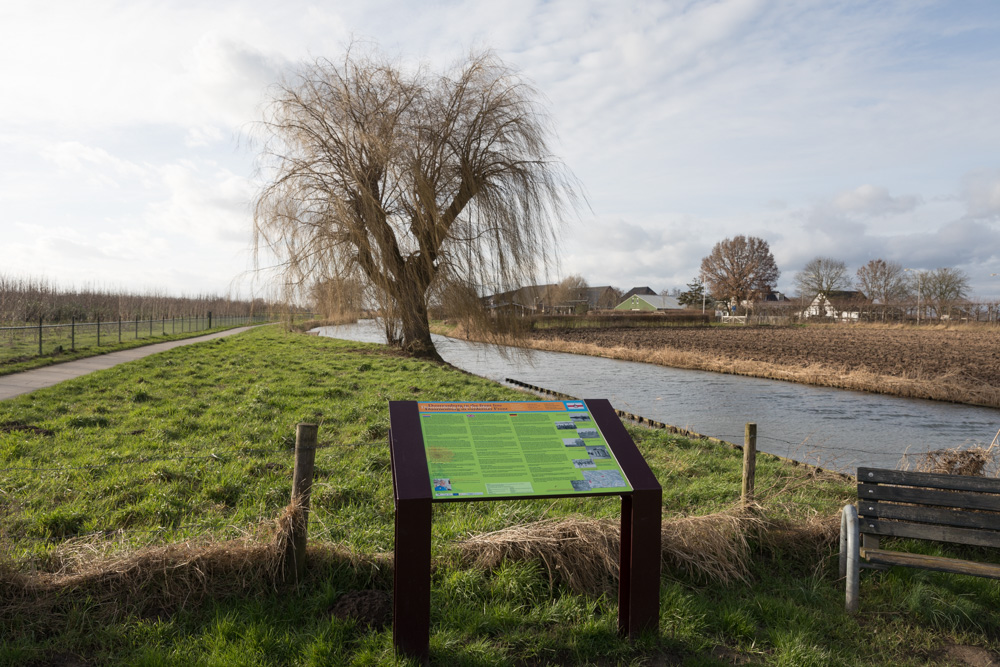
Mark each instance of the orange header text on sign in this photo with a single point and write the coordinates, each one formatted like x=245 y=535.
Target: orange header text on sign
x=537 y=406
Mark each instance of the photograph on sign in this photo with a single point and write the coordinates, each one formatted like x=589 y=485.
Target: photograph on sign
x=503 y=450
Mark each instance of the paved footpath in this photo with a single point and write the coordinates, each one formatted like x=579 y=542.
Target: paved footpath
x=16 y=384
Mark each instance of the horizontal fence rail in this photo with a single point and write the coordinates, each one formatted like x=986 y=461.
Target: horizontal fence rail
x=20 y=343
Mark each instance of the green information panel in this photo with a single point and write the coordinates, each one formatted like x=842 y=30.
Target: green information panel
x=509 y=450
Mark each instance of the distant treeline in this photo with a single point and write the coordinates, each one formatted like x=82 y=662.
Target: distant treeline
x=26 y=300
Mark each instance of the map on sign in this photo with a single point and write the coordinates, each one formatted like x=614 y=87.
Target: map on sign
x=497 y=450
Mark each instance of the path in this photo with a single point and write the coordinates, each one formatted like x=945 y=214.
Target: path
x=16 y=384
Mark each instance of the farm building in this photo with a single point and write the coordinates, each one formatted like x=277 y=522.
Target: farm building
x=551 y=299
x=843 y=305
x=641 y=291
x=649 y=302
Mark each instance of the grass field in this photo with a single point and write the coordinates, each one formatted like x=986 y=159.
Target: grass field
x=19 y=349
x=138 y=505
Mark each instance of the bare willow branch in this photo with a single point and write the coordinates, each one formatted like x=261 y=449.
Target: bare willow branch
x=408 y=183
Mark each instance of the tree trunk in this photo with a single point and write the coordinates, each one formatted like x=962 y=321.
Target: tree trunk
x=415 y=324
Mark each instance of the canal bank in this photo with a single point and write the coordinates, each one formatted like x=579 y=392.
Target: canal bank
x=831 y=428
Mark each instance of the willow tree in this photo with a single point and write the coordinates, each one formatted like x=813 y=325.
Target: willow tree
x=408 y=180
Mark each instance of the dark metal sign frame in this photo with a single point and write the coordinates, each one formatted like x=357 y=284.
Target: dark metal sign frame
x=641 y=510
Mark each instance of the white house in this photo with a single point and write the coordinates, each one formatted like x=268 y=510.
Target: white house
x=842 y=305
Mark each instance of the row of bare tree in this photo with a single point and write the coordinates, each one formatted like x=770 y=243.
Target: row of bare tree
x=742 y=270
x=27 y=300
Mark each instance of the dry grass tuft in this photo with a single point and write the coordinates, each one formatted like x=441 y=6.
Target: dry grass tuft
x=713 y=547
x=976 y=461
x=583 y=554
x=114 y=582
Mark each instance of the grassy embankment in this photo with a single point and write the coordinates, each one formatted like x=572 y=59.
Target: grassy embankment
x=138 y=504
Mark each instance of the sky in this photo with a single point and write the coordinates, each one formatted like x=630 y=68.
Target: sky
x=852 y=130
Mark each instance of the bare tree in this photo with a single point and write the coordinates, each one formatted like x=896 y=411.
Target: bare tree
x=408 y=179
x=882 y=281
x=944 y=289
x=338 y=299
x=740 y=269
x=821 y=275
x=570 y=292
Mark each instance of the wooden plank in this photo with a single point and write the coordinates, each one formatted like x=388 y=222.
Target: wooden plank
x=930 y=480
x=937 y=563
x=925 y=531
x=924 y=514
x=907 y=494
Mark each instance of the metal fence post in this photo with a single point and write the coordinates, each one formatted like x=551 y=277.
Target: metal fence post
x=119 y=329
x=72 y=334
x=98 y=331
x=40 y=336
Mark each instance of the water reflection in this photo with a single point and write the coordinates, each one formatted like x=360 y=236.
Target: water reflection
x=834 y=428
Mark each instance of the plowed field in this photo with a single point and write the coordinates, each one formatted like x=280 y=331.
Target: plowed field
x=964 y=356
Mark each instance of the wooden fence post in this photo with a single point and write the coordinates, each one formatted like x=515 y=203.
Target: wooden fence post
x=749 y=462
x=302 y=478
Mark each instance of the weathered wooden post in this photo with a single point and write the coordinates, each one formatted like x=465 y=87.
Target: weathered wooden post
x=749 y=462
x=302 y=478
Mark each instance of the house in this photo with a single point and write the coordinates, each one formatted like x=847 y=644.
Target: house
x=523 y=300
x=640 y=291
x=649 y=302
x=553 y=299
x=775 y=297
x=843 y=305
x=604 y=297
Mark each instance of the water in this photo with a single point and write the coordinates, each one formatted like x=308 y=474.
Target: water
x=834 y=428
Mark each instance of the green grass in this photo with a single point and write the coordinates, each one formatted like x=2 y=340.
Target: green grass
x=78 y=459
x=19 y=348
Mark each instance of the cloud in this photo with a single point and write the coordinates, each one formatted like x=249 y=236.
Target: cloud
x=97 y=165
x=871 y=200
x=981 y=193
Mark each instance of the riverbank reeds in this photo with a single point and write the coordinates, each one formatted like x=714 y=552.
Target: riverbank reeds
x=953 y=386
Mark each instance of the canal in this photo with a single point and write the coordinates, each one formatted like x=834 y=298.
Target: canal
x=833 y=428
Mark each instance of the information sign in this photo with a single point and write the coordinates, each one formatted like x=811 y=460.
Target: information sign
x=442 y=452
x=509 y=450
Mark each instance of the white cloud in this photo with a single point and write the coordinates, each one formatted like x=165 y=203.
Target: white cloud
x=874 y=201
x=981 y=192
x=121 y=121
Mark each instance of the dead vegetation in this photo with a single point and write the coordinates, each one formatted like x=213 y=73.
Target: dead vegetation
x=114 y=582
x=977 y=461
x=953 y=364
x=582 y=554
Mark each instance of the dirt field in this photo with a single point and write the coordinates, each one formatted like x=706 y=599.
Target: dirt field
x=964 y=363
